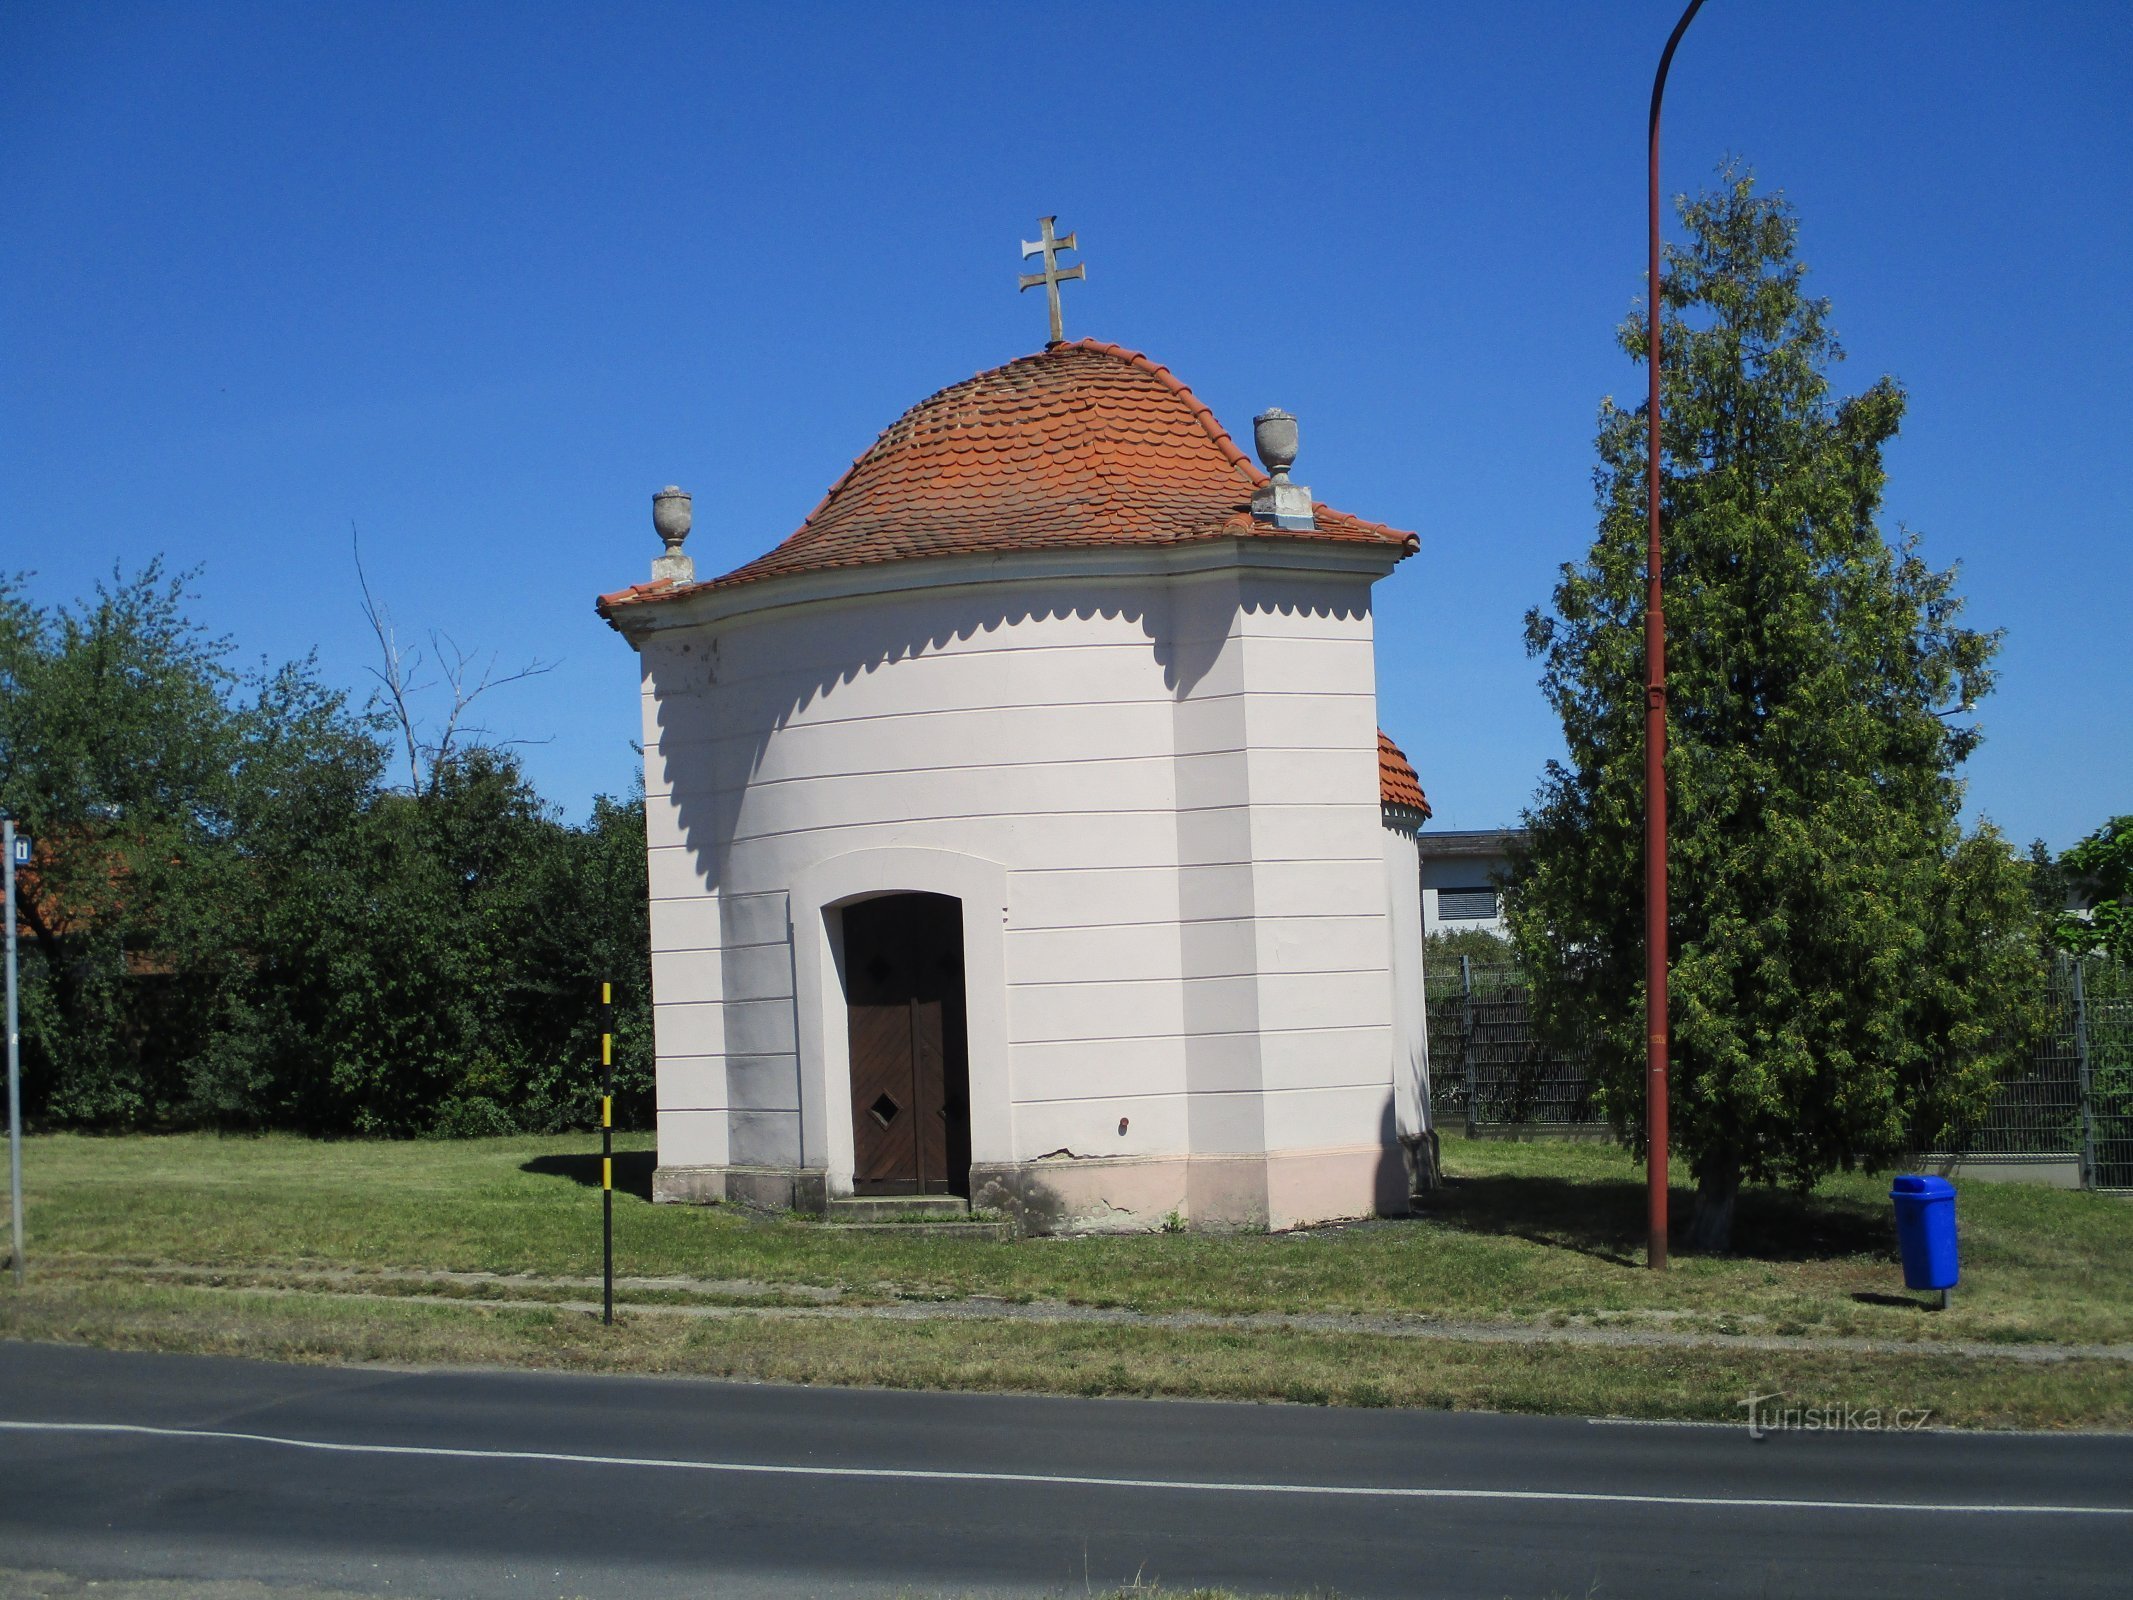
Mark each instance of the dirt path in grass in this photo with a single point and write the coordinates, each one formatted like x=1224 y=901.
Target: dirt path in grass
x=728 y=1297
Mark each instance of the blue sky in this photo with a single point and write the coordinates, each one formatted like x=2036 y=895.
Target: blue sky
x=479 y=278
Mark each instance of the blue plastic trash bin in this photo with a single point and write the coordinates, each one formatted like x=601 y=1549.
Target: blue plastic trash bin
x=1925 y=1227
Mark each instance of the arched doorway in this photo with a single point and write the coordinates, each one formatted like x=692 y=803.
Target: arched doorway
x=910 y=1050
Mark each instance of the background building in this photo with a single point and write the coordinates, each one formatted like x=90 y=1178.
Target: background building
x=1463 y=874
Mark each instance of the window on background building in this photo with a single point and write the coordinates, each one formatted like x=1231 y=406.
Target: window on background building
x=1465 y=905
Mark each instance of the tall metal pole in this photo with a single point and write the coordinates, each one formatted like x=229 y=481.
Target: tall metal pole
x=1655 y=918
x=14 y=1063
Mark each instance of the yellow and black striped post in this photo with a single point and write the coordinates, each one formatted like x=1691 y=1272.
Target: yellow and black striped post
x=607 y=1154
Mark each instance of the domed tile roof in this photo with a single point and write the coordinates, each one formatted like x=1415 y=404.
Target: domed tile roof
x=1398 y=787
x=1083 y=444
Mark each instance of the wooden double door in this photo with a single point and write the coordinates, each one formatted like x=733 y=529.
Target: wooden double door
x=903 y=985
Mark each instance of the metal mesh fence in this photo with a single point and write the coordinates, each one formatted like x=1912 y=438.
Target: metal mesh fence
x=2036 y=1115
x=1490 y=1071
x=1488 y=1066
x=2074 y=1102
x=2102 y=994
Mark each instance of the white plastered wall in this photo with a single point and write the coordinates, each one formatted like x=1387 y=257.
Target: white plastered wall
x=1403 y=898
x=1157 y=790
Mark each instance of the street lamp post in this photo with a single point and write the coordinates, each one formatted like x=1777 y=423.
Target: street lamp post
x=1655 y=918
x=8 y=837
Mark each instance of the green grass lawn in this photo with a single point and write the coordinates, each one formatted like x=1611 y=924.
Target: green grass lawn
x=1524 y=1231
x=1543 y=1233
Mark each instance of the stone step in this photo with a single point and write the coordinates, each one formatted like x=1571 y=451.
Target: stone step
x=899 y=1208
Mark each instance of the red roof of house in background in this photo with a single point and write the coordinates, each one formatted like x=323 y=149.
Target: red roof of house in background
x=1083 y=444
x=1398 y=787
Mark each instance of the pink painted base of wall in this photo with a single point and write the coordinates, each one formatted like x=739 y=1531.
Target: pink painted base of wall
x=1287 y=1189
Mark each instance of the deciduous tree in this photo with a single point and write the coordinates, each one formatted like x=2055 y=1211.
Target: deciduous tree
x=235 y=922
x=2101 y=867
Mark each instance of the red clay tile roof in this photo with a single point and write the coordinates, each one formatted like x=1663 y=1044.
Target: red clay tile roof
x=1398 y=787
x=1081 y=444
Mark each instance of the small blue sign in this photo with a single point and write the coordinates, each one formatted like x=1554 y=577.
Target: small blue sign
x=22 y=849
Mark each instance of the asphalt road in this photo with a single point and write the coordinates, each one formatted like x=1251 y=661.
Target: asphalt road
x=117 y=1466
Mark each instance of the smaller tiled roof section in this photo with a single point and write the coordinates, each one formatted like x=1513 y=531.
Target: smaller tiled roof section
x=1398 y=787
x=1082 y=444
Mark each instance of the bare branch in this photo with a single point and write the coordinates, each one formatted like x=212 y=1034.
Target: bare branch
x=398 y=670
x=466 y=675
x=458 y=667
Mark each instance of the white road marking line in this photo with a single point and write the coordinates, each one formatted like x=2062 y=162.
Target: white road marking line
x=1060 y=1480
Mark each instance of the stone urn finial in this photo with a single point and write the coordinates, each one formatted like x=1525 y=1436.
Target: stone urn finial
x=1279 y=503
x=671 y=519
x=1274 y=435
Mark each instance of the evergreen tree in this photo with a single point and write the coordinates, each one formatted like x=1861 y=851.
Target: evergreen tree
x=1850 y=973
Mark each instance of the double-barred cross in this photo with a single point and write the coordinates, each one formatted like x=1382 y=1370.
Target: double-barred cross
x=1053 y=274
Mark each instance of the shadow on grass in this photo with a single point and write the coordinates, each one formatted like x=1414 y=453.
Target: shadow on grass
x=1605 y=1219
x=1902 y=1302
x=1596 y=1218
x=633 y=1170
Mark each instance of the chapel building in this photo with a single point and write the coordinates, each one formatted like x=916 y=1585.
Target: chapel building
x=1020 y=828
